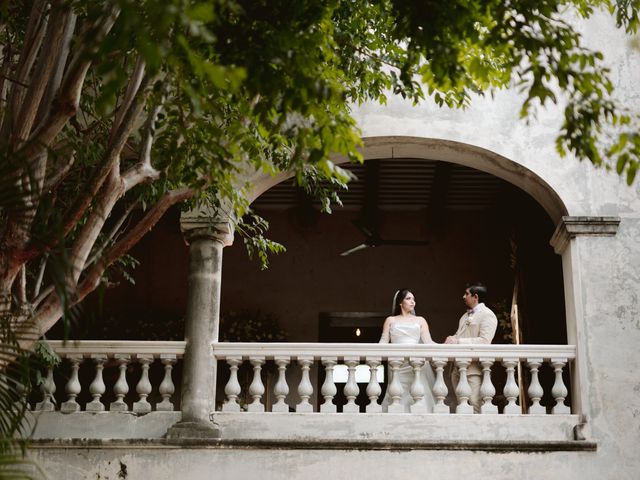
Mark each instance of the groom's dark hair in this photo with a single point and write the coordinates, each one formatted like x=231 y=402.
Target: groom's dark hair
x=479 y=289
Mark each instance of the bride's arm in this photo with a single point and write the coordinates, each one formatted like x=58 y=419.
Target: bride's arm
x=425 y=335
x=385 y=331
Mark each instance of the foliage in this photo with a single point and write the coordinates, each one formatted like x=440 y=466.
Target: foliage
x=250 y=326
x=113 y=111
x=16 y=380
x=253 y=229
x=503 y=314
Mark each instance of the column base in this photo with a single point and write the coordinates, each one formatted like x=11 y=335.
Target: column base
x=194 y=431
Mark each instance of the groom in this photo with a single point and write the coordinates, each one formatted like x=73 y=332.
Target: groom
x=477 y=325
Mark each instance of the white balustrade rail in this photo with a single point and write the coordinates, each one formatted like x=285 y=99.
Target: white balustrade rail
x=304 y=356
x=119 y=355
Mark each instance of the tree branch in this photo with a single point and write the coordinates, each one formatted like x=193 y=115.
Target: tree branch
x=65 y=105
x=89 y=232
x=32 y=40
x=38 y=284
x=132 y=89
x=53 y=179
x=22 y=286
x=144 y=171
x=13 y=80
x=42 y=296
x=112 y=234
x=111 y=158
x=107 y=167
x=132 y=237
x=16 y=234
x=48 y=59
x=29 y=331
x=61 y=61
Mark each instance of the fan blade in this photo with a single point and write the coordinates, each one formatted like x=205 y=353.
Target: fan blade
x=406 y=243
x=362 y=246
x=363 y=228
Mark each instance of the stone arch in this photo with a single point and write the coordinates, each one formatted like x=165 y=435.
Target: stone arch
x=450 y=151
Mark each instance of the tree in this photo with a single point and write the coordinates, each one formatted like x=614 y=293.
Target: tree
x=113 y=111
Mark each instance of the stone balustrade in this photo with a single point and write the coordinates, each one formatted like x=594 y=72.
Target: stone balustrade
x=501 y=365
x=295 y=370
x=128 y=364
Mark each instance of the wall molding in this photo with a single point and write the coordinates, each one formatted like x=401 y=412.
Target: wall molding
x=570 y=227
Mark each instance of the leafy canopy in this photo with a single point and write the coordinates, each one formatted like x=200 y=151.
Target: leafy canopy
x=112 y=111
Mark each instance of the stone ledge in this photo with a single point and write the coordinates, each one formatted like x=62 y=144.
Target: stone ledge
x=275 y=444
x=300 y=430
x=571 y=227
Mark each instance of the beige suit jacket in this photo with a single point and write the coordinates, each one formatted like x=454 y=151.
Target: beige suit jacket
x=477 y=328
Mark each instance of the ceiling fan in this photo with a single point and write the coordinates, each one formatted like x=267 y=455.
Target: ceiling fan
x=368 y=220
x=373 y=239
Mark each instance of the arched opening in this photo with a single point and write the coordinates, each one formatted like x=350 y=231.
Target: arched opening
x=473 y=215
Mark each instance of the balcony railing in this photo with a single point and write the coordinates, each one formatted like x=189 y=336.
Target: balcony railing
x=288 y=386
x=288 y=394
x=501 y=361
x=127 y=362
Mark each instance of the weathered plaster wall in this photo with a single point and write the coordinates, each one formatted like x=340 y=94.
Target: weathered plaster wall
x=272 y=464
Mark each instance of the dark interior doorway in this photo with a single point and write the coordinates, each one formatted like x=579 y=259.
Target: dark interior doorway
x=350 y=327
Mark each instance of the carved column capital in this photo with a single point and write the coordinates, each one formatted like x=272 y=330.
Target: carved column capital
x=571 y=227
x=196 y=225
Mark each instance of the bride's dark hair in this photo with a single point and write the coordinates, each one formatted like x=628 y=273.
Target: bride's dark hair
x=397 y=300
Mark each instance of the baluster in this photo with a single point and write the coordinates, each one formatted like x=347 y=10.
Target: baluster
x=417 y=388
x=256 y=389
x=328 y=389
x=48 y=388
x=487 y=390
x=73 y=387
x=167 y=388
x=440 y=389
x=351 y=388
x=511 y=390
x=121 y=387
x=373 y=387
x=281 y=389
x=463 y=390
x=395 y=387
x=232 y=388
x=559 y=390
x=143 y=389
x=97 y=387
x=305 y=389
x=535 y=390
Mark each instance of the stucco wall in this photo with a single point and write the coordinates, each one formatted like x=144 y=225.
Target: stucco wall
x=267 y=464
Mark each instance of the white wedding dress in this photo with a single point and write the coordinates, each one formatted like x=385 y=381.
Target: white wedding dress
x=409 y=334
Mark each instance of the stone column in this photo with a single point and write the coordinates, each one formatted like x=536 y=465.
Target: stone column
x=206 y=237
x=570 y=240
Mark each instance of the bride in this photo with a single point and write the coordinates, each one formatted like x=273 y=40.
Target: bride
x=404 y=327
